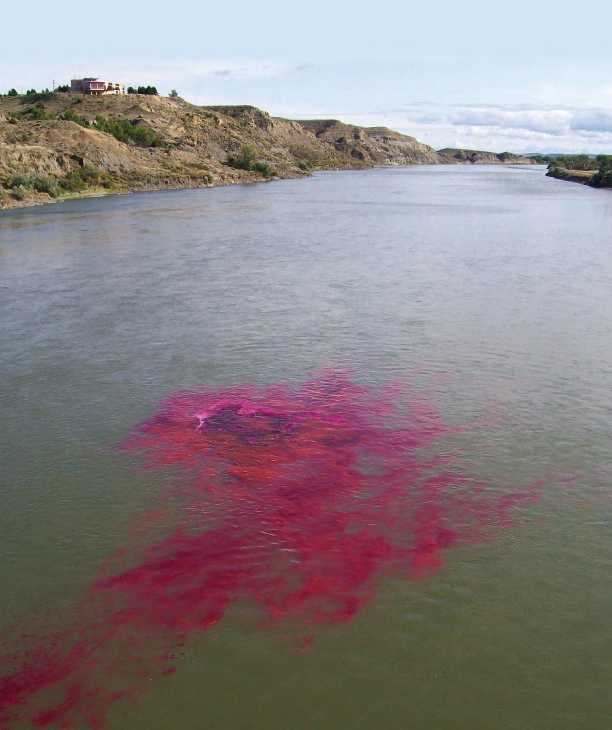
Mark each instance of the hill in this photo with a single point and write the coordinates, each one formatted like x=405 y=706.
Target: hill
x=373 y=145
x=57 y=145
x=454 y=156
x=141 y=142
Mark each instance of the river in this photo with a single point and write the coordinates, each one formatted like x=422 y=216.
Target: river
x=376 y=449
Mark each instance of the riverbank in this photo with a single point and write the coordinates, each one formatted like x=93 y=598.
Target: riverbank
x=55 y=146
x=601 y=177
x=584 y=177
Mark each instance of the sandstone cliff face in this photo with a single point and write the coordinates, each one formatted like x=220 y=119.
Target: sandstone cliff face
x=452 y=156
x=373 y=145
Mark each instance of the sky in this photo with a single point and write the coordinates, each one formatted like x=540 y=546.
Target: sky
x=523 y=76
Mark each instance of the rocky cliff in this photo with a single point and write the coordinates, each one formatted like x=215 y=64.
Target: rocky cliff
x=50 y=139
x=452 y=156
x=57 y=145
x=373 y=145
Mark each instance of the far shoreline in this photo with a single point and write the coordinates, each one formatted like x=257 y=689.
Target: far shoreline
x=103 y=193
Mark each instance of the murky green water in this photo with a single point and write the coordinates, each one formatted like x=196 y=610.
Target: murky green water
x=488 y=289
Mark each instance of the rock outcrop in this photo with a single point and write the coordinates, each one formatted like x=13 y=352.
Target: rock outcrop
x=373 y=145
x=452 y=156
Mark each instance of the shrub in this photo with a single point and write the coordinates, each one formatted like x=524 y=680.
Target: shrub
x=305 y=165
x=173 y=94
x=89 y=172
x=43 y=184
x=264 y=168
x=12 y=92
x=127 y=131
x=77 y=180
x=72 y=182
x=39 y=112
x=17 y=179
x=71 y=116
x=33 y=96
x=245 y=160
x=19 y=193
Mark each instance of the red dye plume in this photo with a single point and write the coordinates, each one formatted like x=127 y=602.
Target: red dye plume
x=300 y=499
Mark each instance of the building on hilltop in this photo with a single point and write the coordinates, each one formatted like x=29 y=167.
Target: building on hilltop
x=95 y=87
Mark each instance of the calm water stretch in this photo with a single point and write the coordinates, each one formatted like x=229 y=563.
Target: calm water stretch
x=330 y=453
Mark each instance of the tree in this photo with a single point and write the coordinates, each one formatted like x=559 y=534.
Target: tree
x=173 y=94
x=248 y=156
x=12 y=92
x=603 y=178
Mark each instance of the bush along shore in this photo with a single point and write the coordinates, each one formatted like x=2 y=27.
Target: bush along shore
x=593 y=171
x=55 y=145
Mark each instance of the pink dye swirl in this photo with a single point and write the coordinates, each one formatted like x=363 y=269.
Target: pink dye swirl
x=299 y=500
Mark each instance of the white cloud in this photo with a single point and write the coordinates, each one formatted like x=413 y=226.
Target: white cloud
x=525 y=128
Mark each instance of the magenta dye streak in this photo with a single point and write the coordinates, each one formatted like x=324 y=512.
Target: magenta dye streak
x=297 y=499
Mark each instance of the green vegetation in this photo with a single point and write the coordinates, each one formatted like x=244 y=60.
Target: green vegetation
x=128 y=131
x=123 y=130
x=33 y=96
x=247 y=160
x=19 y=184
x=150 y=90
x=603 y=178
x=29 y=114
x=62 y=88
x=542 y=159
x=38 y=112
x=71 y=116
x=577 y=167
x=12 y=92
x=173 y=94
x=575 y=162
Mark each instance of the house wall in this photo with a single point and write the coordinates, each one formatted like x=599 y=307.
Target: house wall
x=95 y=87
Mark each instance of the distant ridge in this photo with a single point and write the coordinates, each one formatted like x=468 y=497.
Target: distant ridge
x=453 y=156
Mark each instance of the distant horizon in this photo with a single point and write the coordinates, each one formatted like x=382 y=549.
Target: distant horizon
x=22 y=91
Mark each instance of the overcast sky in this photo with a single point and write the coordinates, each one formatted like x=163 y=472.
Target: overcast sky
x=526 y=76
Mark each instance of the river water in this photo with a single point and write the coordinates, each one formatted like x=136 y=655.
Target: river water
x=474 y=301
